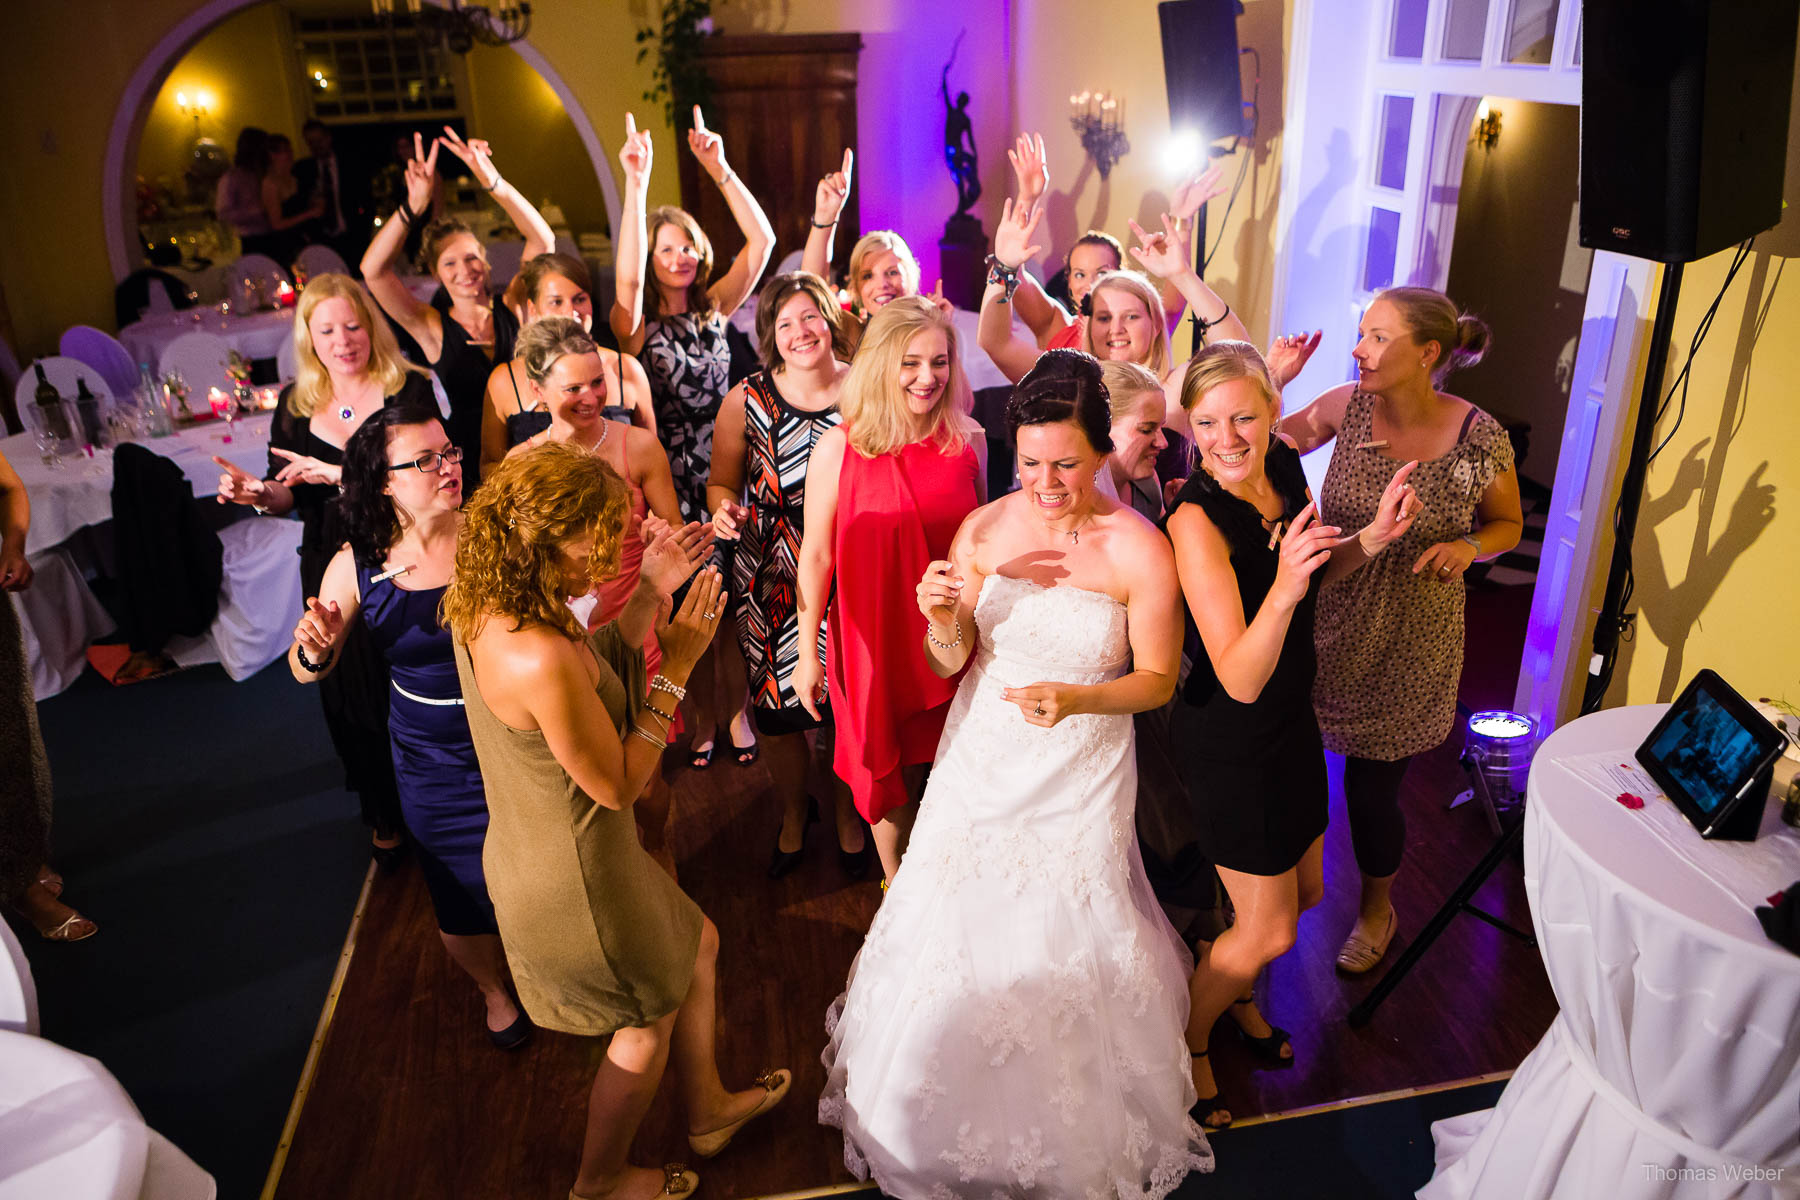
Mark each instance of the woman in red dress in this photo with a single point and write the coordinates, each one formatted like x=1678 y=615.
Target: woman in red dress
x=885 y=493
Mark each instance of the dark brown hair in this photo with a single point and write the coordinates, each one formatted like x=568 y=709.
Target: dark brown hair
x=1063 y=386
x=776 y=293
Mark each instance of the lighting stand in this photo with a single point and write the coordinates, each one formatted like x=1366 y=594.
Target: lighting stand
x=1511 y=831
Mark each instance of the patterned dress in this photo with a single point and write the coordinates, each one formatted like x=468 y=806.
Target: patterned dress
x=779 y=440
x=688 y=361
x=1390 y=643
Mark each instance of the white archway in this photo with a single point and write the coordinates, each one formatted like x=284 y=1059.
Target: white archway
x=119 y=165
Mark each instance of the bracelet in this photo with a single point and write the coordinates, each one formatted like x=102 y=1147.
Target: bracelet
x=314 y=667
x=1470 y=538
x=831 y=224
x=726 y=178
x=498 y=180
x=666 y=716
x=1007 y=277
x=950 y=645
x=1205 y=325
x=406 y=215
x=662 y=683
x=659 y=743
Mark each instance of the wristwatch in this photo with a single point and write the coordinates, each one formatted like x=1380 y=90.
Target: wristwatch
x=1470 y=538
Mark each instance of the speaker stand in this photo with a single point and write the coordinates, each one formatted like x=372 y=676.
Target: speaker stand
x=1199 y=273
x=1611 y=623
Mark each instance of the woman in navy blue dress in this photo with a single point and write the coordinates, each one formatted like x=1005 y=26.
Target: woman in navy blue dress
x=402 y=488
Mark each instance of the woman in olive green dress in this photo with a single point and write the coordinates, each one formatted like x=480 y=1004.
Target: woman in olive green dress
x=568 y=729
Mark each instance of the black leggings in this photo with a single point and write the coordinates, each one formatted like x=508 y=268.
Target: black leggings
x=1372 y=798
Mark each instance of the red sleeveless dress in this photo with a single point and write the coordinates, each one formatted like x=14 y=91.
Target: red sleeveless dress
x=896 y=514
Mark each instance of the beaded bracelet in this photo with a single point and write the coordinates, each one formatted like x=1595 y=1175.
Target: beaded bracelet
x=308 y=664
x=662 y=683
x=950 y=645
x=669 y=717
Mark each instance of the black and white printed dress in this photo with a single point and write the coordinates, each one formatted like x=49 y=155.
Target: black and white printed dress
x=688 y=361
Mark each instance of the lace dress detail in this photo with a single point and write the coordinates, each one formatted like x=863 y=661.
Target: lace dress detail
x=1013 y=1024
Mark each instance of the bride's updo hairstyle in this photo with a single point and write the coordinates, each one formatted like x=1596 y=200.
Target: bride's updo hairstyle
x=1063 y=385
x=1431 y=316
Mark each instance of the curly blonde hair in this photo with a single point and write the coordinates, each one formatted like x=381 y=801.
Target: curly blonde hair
x=312 y=383
x=514 y=528
x=876 y=417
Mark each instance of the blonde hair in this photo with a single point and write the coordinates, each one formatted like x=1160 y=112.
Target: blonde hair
x=514 y=528
x=546 y=340
x=1135 y=284
x=871 y=244
x=873 y=404
x=1431 y=316
x=1221 y=362
x=1125 y=383
x=312 y=383
x=699 y=299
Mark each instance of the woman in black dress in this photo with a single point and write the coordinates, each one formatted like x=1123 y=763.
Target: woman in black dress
x=462 y=344
x=349 y=366
x=1251 y=554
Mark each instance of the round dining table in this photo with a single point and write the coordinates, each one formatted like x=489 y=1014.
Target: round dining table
x=253 y=335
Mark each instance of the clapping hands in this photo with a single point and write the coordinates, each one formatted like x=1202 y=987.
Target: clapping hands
x=671 y=554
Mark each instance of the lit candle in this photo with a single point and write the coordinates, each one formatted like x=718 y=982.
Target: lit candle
x=284 y=294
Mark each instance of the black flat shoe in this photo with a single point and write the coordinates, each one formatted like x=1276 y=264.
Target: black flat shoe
x=855 y=863
x=1267 y=1049
x=514 y=1035
x=388 y=857
x=784 y=863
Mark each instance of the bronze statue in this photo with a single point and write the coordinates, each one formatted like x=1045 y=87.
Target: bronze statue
x=959 y=141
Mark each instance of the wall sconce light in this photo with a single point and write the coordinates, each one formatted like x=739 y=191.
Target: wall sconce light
x=196 y=106
x=1487 y=126
x=320 y=81
x=1099 y=119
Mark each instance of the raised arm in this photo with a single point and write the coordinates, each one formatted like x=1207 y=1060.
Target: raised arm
x=1243 y=653
x=479 y=158
x=818 y=560
x=1169 y=256
x=1031 y=174
x=994 y=333
x=627 y=316
x=828 y=210
x=412 y=314
x=328 y=615
x=735 y=286
x=634 y=387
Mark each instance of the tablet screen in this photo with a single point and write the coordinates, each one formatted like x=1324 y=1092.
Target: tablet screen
x=1707 y=750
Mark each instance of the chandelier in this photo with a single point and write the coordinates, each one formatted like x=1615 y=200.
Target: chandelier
x=459 y=27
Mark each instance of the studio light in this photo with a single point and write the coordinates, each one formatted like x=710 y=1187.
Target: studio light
x=1497 y=756
x=1183 y=153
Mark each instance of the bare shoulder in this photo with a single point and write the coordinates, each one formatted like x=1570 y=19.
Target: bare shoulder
x=828 y=451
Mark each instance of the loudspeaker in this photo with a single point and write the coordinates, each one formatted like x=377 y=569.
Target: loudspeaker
x=1200 y=66
x=1684 y=123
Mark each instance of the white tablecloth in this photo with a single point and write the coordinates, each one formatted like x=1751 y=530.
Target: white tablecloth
x=18 y=991
x=1673 y=1069
x=60 y=617
x=68 y=1131
x=254 y=335
x=79 y=493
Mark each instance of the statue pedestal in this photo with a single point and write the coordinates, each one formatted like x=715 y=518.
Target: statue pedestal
x=962 y=257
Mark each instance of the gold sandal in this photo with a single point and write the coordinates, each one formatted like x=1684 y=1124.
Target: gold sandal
x=677 y=1181
x=775 y=1087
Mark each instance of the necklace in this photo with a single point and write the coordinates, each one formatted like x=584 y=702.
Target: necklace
x=1074 y=533
x=347 y=413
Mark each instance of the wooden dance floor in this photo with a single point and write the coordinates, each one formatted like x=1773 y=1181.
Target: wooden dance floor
x=408 y=1099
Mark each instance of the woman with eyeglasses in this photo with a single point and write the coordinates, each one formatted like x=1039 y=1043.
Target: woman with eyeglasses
x=400 y=511
x=349 y=367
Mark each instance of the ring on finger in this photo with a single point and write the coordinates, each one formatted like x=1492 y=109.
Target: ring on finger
x=1039 y=710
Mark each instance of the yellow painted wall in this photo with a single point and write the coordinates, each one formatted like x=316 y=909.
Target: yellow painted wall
x=247 y=65
x=512 y=106
x=1718 y=541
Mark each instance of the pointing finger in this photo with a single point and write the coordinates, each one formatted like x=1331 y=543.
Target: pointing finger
x=849 y=158
x=699 y=121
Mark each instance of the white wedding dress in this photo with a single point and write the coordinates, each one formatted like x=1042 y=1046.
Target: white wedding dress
x=1013 y=1023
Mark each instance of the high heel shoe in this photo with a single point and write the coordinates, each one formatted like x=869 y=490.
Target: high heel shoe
x=855 y=863
x=1269 y=1047
x=774 y=1085
x=1208 y=1110
x=388 y=857
x=785 y=862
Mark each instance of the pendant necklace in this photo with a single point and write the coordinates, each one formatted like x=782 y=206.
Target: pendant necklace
x=347 y=413
x=1074 y=534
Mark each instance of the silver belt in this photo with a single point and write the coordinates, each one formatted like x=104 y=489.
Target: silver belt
x=426 y=699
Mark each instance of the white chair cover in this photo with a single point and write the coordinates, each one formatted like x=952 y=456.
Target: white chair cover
x=18 y=994
x=69 y=1131
x=258 y=602
x=287 y=365
x=60 y=617
x=63 y=374
x=255 y=266
x=103 y=352
x=202 y=359
x=318 y=260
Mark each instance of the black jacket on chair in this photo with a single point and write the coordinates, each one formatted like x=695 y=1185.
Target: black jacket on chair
x=170 y=564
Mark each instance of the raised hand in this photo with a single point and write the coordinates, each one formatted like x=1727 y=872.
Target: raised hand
x=319 y=628
x=1394 y=513
x=1166 y=254
x=708 y=147
x=302 y=468
x=1305 y=548
x=939 y=592
x=421 y=175
x=688 y=633
x=1207 y=185
x=670 y=554
x=1012 y=238
x=475 y=155
x=1044 y=704
x=237 y=486
x=936 y=297
x=1030 y=169
x=1289 y=353
x=635 y=154
x=834 y=190
x=730 y=520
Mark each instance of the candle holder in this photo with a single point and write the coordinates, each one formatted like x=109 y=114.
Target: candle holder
x=1098 y=118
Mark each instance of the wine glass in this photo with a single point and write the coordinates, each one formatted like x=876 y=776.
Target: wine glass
x=224 y=407
x=43 y=434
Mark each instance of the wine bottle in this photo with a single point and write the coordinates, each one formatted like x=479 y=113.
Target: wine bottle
x=50 y=406
x=87 y=407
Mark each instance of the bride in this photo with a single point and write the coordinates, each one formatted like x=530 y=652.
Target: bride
x=1015 y=1017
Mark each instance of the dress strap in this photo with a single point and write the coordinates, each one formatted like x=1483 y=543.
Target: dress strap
x=1468 y=420
x=512 y=376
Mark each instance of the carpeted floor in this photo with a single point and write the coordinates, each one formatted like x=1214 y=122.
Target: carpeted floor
x=203 y=825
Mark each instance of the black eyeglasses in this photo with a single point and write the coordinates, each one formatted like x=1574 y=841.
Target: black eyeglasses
x=430 y=461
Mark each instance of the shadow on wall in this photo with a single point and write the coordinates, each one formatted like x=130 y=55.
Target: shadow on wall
x=1671 y=605
x=1310 y=248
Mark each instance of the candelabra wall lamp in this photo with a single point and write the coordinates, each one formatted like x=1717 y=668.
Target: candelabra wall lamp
x=196 y=106
x=1487 y=126
x=1099 y=119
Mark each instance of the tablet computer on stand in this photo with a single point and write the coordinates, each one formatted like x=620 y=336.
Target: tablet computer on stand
x=1714 y=755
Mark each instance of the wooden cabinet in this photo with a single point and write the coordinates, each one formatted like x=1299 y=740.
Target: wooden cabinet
x=786 y=107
